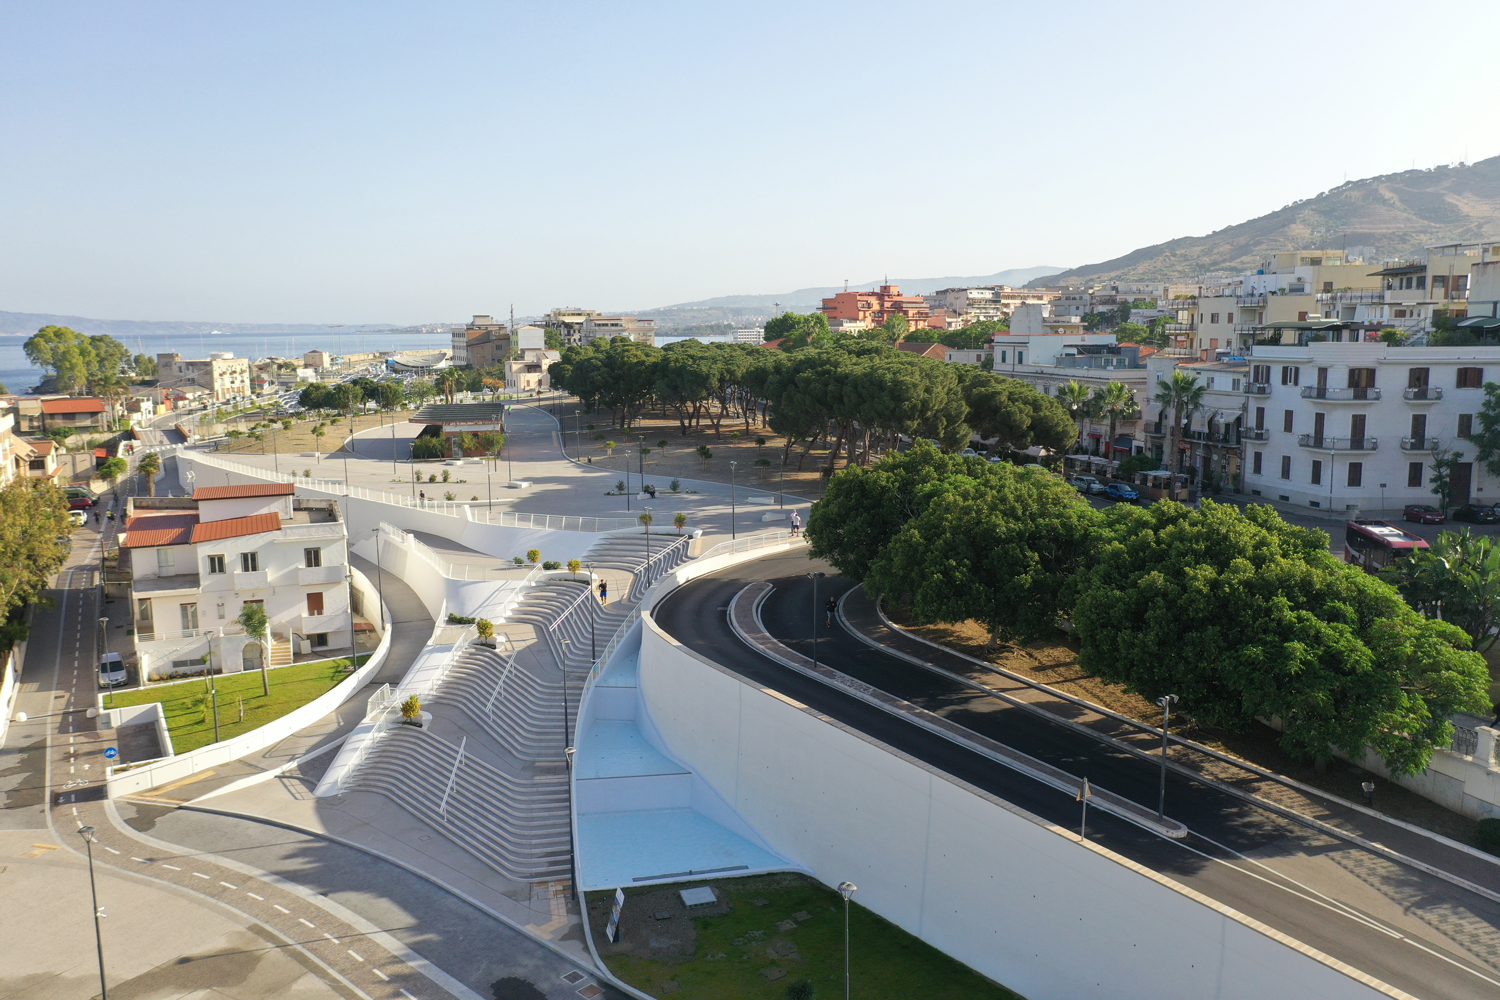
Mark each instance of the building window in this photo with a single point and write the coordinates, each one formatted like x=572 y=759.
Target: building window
x=1229 y=317
x=1317 y=473
x=312 y=557
x=1290 y=374
x=1286 y=467
x=1215 y=318
x=1470 y=378
x=165 y=560
x=1286 y=421
x=220 y=608
x=216 y=564
x=189 y=613
x=315 y=602
x=318 y=639
x=1255 y=466
x=1414 y=474
x=249 y=562
x=1416 y=378
x=1261 y=374
x=1356 y=473
x=143 y=610
x=1465 y=425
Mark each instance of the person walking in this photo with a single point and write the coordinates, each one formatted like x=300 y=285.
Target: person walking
x=603 y=592
x=96 y=517
x=831 y=606
x=422 y=497
x=796 y=524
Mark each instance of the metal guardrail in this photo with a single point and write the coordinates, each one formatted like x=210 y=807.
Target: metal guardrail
x=749 y=543
x=1315 y=442
x=1465 y=741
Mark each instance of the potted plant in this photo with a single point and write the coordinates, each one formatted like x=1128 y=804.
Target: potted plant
x=486 y=632
x=411 y=711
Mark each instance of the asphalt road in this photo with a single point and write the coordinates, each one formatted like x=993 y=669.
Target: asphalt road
x=1411 y=930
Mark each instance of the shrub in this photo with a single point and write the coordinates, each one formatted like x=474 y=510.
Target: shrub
x=445 y=475
x=533 y=556
x=459 y=619
x=520 y=561
x=474 y=497
x=449 y=496
x=676 y=486
x=484 y=628
x=552 y=564
x=802 y=989
x=432 y=478
x=306 y=473
x=411 y=707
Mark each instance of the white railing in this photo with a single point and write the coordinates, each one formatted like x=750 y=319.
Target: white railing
x=648 y=567
x=452 y=570
x=470 y=510
x=749 y=543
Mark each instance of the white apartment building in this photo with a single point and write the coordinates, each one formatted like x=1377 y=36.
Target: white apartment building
x=642 y=331
x=972 y=304
x=223 y=375
x=194 y=563
x=1355 y=425
x=749 y=334
x=530 y=371
x=1212 y=439
x=1036 y=320
x=1050 y=361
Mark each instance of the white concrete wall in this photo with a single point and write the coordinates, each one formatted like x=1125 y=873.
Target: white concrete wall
x=1020 y=901
x=475 y=598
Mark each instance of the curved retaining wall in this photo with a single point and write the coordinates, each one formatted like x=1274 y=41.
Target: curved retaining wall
x=1021 y=901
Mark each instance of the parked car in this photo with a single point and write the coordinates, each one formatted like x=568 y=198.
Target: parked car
x=78 y=517
x=968 y=453
x=1477 y=514
x=1121 y=493
x=1422 y=513
x=80 y=503
x=112 y=673
x=1086 y=484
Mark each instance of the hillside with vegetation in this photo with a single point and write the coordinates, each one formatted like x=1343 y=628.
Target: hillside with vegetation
x=1393 y=215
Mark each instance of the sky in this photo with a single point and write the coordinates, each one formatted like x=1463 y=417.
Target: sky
x=405 y=163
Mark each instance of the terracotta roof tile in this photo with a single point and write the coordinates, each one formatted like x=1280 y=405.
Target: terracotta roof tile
x=148 y=530
x=247 y=490
x=81 y=405
x=235 y=527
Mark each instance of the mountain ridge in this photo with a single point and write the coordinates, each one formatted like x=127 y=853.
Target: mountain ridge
x=1388 y=216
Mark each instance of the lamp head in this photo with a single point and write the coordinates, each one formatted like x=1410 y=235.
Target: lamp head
x=87 y=833
x=847 y=889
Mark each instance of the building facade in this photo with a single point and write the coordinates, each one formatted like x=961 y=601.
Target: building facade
x=878 y=306
x=642 y=331
x=223 y=375
x=195 y=563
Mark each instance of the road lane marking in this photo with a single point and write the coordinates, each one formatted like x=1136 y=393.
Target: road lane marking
x=357 y=956
x=111 y=849
x=406 y=994
x=382 y=975
x=330 y=937
x=230 y=886
x=254 y=896
x=283 y=909
x=304 y=920
x=141 y=860
x=173 y=867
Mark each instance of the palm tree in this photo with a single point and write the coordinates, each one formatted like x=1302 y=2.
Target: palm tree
x=1076 y=399
x=109 y=388
x=1117 y=402
x=1182 y=395
x=149 y=466
x=448 y=382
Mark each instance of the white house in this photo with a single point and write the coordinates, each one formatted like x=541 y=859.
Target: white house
x=195 y=563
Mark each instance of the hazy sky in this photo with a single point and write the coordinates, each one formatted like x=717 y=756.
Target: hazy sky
x=363 y=162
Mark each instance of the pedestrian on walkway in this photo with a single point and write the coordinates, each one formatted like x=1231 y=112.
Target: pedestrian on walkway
x=422 y=497
x=111 y=516
x=796 y=524
x=831 y=606
x=96 y=517
x=603 y=592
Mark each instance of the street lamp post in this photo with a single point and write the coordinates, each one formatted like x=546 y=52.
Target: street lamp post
x=568 y=752
x=103 y=637
x=846 y=889
x=731 y=500
x=593 y=652
x=627 y=479
x=815 y=577
x=646 y=520
x=1166 y=702
x=87 y=833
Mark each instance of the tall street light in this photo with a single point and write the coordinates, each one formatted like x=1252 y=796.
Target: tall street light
x=846 y=889
x=87 y=833
x=646 y=520
x=731 y=500
x=1166 y=702
x=815 y=577
x=627 y=479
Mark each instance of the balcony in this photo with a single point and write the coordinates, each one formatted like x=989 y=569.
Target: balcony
x=1333 y=394
x=333 y=622
x=254 y=580
x=1317 y=443
x=1257 y=388
x=1250 y=301
x=1256 y=434
x=1419 y=444
x=1422 y=394
x=320 y=574
x=161 y=586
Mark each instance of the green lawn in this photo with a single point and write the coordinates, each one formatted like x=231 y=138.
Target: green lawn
x=731 y=951
x=188 y=707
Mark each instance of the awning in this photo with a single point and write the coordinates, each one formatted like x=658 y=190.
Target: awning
x=1124 y=443
x=1093 y=435
x=1480 y=323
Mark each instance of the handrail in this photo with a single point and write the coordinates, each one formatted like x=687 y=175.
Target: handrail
x=749 y=543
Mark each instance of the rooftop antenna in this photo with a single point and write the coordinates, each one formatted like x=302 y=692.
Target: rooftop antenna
x=846 y=284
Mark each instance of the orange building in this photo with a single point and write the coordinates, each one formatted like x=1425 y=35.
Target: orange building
x=877 y=307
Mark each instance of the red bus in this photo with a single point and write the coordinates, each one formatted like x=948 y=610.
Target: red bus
x=1374 y=545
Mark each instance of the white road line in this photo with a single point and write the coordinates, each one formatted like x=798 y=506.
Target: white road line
x=406 y=994
x=75 y=810
x=382 y=975
x=200 y=874
x=357 y=956
x=173 y=867
x=230 y=886
x=141 y=860
x=304 y=920
x=330 y=937
x=283 y=909
x=254 y=896
x=111 y=850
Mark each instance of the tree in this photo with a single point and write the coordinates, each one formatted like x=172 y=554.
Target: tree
x=1486 y=437
x=449 y=381
x=1132 y=333
x=1015 y=413
x=149 y=466
x=113 y=469
x=895 y=327
x=1115 y=402
x=1245 y=616
x=33 y=514
x=1458 y=580
x=679 y=521
x=253 y=620
x=533 y=556
x=574 y=565
x=1443 y=461
x=317 y=433
x=144 y=366
x=1077 y=400
x=74 y=358
x=1003 y=549
x=1182 y=395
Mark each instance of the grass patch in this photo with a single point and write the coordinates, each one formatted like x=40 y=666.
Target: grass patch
x=189 y=708
x=725 y=953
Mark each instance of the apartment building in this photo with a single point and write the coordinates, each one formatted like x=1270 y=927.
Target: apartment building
x=481 y=343
x=1287 y=287
x=529 y=372
x=1339 y=425
x=1212 y=439
x=1035 y=320
x=878 y=306
x=195 y=562
x=1484 y=285
x=223 y=375
x=1414 y=293
x=970 y=305
x=39 y=415
x=568 y=323
x=749 y=334
x=1052 y=360
x=642 y=331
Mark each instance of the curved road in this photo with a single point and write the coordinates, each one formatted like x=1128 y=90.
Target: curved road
x=1416 y=932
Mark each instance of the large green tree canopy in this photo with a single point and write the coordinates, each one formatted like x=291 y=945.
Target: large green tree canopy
x=1245 y=616
x=74 y=358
